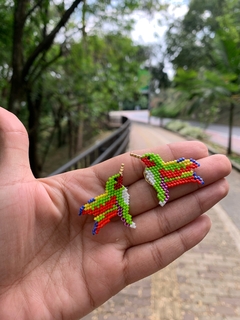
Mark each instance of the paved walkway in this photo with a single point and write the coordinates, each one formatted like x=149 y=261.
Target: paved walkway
x=203 y=284
x=218 y=133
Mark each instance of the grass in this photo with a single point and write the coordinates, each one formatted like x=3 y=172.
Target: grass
x=235 y=158
x=220 y=149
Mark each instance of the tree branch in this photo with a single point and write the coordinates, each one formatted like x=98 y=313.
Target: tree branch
x=46 y=65
x=48 y=40
x=32 y=10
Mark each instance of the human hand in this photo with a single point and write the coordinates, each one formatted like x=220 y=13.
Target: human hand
x=52 y=267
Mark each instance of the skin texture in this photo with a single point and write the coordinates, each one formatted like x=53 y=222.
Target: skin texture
x=52 y=267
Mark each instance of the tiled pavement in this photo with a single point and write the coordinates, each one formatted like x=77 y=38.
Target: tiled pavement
x=203 y=284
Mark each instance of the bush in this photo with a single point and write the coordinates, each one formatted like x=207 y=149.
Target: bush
x=194 y=132
x=177 y=125
x=186 y=129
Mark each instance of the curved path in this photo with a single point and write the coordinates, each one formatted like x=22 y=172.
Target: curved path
x=217 y=133
x=203 y=284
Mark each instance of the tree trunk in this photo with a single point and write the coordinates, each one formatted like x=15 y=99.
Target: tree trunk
x=16 y=89
x=79 y=129
x=47 y=42
x=34 y=109
x=70 y=136
x=230 y=125
x=21 y=87
x=20 y=69
x=59 y=133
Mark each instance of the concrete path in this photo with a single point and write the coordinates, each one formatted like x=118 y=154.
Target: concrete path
x=204 y=283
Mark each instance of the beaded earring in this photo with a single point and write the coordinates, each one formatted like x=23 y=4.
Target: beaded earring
x=164 y=175
x=114 y=202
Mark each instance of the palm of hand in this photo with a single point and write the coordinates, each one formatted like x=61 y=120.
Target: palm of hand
x=49 y=250
x=52 y=266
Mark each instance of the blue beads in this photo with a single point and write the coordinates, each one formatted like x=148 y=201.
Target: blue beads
x=81 y=210
x=95 y=228
x=196 y=177
x=91 y=200
x=180 y=159
x=195 y=162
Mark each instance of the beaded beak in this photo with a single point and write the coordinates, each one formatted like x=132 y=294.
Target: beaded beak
x=164 y=175
x=114 y=202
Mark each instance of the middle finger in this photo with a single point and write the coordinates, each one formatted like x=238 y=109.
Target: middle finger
x=159 y=221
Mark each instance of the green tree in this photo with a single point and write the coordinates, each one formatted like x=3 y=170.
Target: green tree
x=160 y=83
x=207 y=40
x=203 y=92
x=227 y=52
x=93 y=77
x=33 y=36
x=41 y=33
x=190 y=40
x=5 y=48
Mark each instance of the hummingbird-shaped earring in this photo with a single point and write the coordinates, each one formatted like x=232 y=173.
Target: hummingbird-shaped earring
x=114 y=202
x=164 y=175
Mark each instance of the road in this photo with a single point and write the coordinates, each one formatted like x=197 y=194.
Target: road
x=204 y=283
x=218 y=133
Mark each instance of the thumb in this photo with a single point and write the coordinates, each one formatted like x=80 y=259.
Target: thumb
x=14 y=143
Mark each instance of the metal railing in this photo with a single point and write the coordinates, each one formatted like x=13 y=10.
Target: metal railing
x=109 y=147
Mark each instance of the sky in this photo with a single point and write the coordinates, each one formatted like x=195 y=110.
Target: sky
x=151 y=29
x=147 y=27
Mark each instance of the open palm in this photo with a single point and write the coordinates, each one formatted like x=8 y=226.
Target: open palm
x=52 y=267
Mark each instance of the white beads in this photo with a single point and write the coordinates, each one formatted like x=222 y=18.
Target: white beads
x=125 y=196
x=149 y=176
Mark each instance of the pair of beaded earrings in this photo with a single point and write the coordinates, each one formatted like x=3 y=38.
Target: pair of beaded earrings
x=161 y=175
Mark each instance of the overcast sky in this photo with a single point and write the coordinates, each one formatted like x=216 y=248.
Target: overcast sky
x=150 y=30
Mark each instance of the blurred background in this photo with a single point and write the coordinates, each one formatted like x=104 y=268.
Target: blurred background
x=64 y=65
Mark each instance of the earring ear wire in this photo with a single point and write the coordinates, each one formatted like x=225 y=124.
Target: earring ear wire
x=121 y=169
x=135 y=155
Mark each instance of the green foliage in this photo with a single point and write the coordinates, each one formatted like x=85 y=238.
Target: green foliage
x=176 y=125
x=62 y=70
x=205 y=47
x=209 y=85
x=144 y=77
x=159 y=79
x=190 y=39
x=6 y=19
x=204 y=92
x=5 y=28
x=171 y=103
x=186 y=129
x=235 y=158
x=229 y=21
x=98 y=74
x=194 y=132
x=165 y=111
